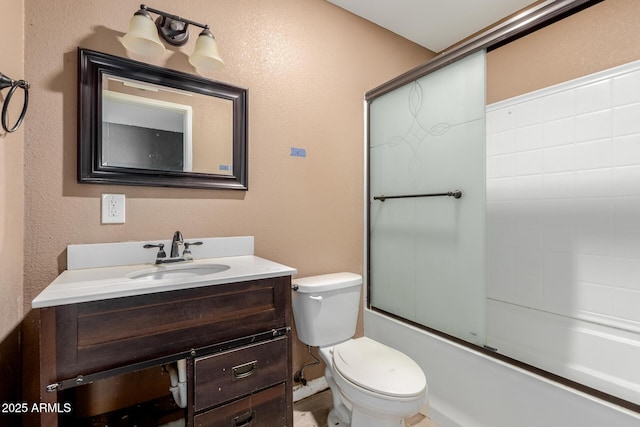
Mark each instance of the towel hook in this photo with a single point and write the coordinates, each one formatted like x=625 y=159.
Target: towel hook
x=5 y=82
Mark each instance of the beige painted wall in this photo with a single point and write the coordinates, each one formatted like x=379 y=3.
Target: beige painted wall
x=601 y=37
x=307 y=65
x=11 y=201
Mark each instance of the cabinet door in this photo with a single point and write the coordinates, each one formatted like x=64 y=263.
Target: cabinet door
x=263 y=409
x=225 y=376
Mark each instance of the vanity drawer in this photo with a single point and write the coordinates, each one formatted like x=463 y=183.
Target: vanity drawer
x=235 y=373
x=263 y=409
x=101 y=335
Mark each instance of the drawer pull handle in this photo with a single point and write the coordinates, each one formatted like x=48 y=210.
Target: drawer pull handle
x=245 y=370
x=244 y=420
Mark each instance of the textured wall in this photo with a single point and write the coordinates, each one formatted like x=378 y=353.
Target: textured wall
x=306 y=64
x=11 y=201
x=600 y=37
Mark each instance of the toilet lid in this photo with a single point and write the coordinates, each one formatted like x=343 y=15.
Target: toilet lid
x=378 y=368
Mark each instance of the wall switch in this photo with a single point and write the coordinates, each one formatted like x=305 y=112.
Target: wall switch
x=113 y=208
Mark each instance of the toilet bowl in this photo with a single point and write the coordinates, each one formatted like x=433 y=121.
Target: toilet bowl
x=373 y=385
x=380 y=385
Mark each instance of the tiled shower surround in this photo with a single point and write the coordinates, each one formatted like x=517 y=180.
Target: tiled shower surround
x=563 y=229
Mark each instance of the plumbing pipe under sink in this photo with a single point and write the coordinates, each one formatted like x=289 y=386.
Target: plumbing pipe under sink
x=178 y=375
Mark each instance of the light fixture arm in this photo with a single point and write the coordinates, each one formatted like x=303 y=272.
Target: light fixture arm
x=173 y=17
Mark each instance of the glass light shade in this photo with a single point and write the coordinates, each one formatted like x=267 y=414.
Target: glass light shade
x=142 y=37
x=205 y=56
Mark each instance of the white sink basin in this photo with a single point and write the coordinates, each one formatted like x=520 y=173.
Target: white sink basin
x=177 y=271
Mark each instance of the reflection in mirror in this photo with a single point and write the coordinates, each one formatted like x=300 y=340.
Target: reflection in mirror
x=149 y=126
x=145 y=125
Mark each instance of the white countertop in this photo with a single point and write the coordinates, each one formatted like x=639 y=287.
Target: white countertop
x=93 y=284
x=100 y=271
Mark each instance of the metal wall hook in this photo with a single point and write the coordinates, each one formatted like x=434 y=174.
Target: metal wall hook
x=6 y=81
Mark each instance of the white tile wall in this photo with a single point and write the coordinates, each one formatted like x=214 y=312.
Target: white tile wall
x=563 y=229
x=563 y=198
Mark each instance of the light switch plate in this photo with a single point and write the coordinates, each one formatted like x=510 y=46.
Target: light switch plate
x=113 y=208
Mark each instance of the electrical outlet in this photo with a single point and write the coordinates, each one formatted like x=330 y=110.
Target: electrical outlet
x=113 y=208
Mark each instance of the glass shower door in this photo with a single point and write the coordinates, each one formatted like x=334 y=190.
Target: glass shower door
x=427 y=253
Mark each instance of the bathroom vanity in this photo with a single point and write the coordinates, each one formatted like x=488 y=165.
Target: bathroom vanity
x=232 y=326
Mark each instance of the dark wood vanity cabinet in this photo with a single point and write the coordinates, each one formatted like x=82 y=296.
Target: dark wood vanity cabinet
x=265 y=408
x=236 y=338
x=258 y=369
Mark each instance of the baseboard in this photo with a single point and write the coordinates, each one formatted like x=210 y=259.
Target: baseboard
x=314 y=386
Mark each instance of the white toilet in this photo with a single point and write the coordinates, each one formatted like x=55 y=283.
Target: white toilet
x=372 y=385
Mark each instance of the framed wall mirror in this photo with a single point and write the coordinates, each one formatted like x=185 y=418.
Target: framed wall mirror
x=139 y=124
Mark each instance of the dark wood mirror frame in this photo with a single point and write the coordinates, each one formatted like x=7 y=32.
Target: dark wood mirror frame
x=91 y=67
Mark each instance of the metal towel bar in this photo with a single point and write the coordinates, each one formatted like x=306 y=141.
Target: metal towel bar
x=455 y=194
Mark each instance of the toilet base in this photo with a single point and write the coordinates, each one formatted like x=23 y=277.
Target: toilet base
x=361 y=419
x=364 y=419
x=334 y=420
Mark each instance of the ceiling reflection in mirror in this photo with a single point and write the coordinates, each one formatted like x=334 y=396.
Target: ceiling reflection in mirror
x=148 y=126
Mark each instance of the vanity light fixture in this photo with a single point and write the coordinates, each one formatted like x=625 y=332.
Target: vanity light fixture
x=142 y=37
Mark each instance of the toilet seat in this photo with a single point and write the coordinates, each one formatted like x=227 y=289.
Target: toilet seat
x=378 y=368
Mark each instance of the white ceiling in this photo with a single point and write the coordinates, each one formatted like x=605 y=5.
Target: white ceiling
x=434 y=24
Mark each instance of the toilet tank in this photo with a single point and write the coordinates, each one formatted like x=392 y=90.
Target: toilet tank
x=325 y=307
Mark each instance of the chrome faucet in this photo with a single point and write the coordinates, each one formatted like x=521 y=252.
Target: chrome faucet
x=177 y=240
